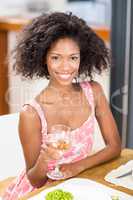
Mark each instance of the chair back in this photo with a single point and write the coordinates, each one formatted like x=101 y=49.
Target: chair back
x=11 y=156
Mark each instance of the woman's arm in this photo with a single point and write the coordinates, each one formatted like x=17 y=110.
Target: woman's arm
x=109 y=131
x=106 y=121
x=30 y=137
x=36 y=157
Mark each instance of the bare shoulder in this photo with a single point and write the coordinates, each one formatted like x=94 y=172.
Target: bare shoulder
x=97 y=90
x=96 y=87
x=28 y=113
x=29 y=120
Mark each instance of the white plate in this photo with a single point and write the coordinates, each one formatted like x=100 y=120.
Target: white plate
x=80 y=190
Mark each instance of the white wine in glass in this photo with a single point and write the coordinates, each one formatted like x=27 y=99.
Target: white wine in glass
x=60 y=138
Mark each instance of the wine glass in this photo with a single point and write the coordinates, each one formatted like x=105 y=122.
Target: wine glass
x=59 y=138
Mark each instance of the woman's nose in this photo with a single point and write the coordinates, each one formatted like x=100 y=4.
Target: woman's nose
x=65 y=65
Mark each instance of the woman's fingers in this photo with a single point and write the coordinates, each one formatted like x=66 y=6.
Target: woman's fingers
x=51 y=152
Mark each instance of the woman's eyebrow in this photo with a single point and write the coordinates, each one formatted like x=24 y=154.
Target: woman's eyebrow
x=55 y=53
x=75 y=54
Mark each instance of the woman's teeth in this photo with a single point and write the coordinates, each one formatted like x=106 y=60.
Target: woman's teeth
x=64 y=76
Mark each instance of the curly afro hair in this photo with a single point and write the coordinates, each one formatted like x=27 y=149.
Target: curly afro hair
x=38 y=36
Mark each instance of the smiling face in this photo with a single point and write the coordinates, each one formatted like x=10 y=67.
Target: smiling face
x=63 y=60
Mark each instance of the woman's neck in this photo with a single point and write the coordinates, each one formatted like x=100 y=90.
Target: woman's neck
x=61 y=88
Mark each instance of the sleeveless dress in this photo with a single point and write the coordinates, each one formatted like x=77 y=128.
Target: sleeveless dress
x=82 y=145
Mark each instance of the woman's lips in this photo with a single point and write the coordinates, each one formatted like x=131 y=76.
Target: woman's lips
x=64 y=76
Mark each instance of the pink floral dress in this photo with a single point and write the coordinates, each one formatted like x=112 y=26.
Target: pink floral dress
x=81 y=148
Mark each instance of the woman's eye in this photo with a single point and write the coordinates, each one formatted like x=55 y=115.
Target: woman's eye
x=54 y=57
x=74 y=58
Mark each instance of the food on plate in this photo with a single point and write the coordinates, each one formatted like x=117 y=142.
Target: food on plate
x=115 y=198
x=59 y=194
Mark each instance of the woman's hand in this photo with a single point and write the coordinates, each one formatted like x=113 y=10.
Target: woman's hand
x=71 y=169
x=46 y=155
x=37 y=174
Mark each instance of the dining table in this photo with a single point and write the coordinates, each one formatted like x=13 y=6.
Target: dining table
x=97 y=174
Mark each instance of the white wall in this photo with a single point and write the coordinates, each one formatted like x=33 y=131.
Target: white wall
x=13 y=3
x=95 y=13
x=8 y=7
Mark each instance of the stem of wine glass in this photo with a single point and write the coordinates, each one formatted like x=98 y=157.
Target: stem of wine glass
x=57 y=168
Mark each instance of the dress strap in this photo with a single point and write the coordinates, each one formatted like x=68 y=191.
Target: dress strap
x=86 y=86
x=40 y=112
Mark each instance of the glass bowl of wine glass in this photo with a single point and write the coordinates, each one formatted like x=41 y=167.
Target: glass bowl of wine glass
x=59 y=137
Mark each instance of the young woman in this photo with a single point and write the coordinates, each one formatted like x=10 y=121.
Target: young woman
x=62 y=48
